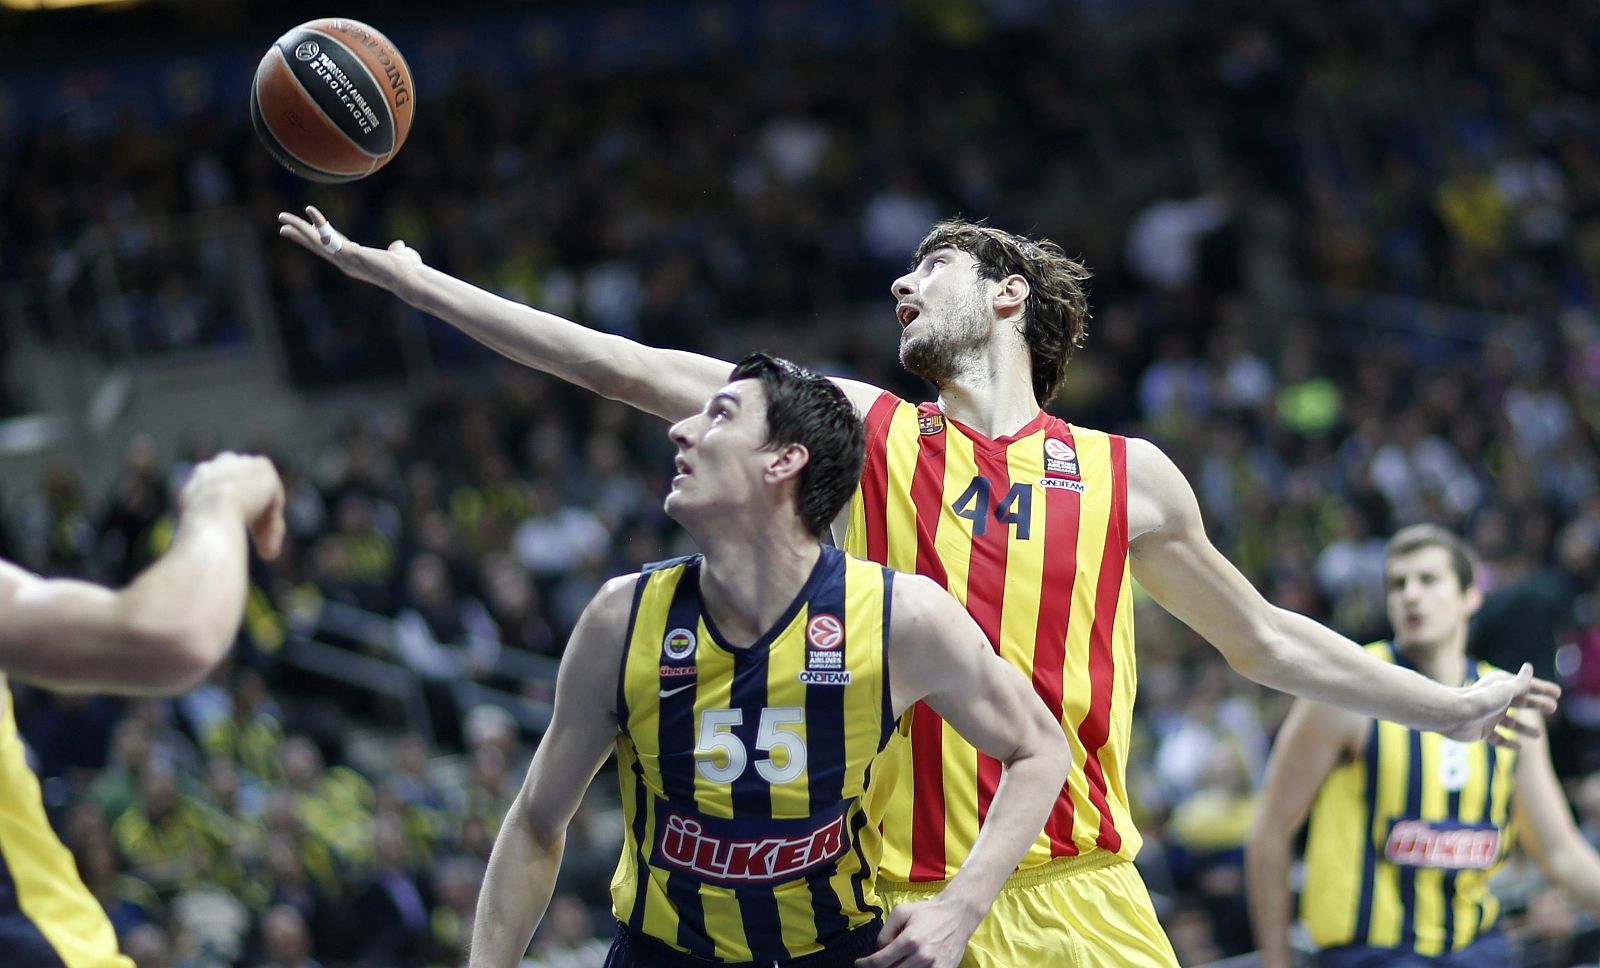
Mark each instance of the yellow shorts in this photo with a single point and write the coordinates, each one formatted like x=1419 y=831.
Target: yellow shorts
x=1066 y=914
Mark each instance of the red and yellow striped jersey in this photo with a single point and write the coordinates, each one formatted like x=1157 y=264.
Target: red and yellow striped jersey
x=1030 y=533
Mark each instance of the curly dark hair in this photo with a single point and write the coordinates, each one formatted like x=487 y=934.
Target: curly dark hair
x=807 y=408
x=1055 y=316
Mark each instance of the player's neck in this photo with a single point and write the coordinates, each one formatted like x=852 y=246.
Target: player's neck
x=994 y=397
x=747 y=585
x=1444 y=662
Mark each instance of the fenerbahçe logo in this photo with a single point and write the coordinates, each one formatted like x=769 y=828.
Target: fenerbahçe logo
x=678 y=644
x=824 y=652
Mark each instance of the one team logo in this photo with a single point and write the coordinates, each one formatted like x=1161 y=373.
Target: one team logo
x=1060 y=458
x=929 y=424
x=679 y=644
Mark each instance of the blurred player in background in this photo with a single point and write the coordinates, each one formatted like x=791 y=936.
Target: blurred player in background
x=1037 y=526
x=160 y=635
x=1406 y=825
x=759 y=684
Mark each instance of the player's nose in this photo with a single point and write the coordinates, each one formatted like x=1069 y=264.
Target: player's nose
x=902 y=287
x=680 y=433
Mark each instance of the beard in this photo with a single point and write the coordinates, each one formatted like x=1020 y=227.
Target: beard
x=938 y=355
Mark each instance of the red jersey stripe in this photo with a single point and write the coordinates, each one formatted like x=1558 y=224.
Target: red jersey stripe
x=1061 y=520
x=927 y=729
x=927 y=494
x=927 y=804
x=986 y=580
x=1096 y=726
x=875 y=475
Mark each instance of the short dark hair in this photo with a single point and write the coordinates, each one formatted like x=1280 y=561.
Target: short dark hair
x=1412 y=539
x=1055 y=316
x=806 y=408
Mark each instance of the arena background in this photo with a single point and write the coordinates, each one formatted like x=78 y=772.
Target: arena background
x=1345 y=261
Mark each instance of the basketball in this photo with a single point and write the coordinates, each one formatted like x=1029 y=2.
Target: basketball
x=332 y=100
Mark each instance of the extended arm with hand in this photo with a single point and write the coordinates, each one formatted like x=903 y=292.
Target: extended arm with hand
x=671 y=384
x=172 y=624
x=1180 y=568
x=939 y=655
x=527 y=853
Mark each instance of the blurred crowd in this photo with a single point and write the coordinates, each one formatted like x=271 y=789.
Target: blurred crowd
x=1277 y=199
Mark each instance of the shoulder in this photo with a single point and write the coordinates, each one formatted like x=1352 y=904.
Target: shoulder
x=866 y=398
x=1159 y=496
x=920 y=608
x=609 y=611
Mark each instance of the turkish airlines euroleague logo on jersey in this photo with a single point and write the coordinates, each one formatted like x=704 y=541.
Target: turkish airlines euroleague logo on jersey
x=1060 y=458
x=825 y=652
x=749 y=852
x=1451 y=846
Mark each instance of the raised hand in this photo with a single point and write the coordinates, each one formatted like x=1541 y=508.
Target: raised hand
x=1489 y=706
x=250 y=486
x=381 y=267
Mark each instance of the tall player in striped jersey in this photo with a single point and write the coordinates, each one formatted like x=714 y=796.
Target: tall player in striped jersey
x=1038 y=526
x=1407 y=826
x=751 y=694
x=160 y=635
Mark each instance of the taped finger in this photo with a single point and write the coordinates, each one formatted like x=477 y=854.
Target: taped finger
x=331 y=240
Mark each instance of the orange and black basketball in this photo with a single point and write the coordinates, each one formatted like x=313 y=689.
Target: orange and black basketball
x=332 y=100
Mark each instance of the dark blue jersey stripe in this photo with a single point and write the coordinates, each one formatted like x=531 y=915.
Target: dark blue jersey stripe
x=1408 y=873
x=825 y=740
x=887 y=731
x=1370 y=847
x=641 y=806
x=676 y=764
x=752 y=797
x=627 y=645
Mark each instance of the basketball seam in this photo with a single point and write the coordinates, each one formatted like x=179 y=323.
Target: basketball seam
x=383 y=92
x=317 y=108
x=277 y=136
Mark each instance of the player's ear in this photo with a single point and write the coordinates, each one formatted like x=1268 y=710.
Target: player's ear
x=787 y=462
x=1011 y=295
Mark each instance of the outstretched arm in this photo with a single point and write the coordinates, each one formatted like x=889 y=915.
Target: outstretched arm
x=527 y=853
x=672 y=384
x=1313 y=740
x=938 y=654
x=164 y=632
x=1177 y=564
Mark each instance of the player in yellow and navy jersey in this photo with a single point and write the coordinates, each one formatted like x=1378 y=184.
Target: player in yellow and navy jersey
x=1406 y=825
x=161 y=634
x=752 y=694
x=1038 y=526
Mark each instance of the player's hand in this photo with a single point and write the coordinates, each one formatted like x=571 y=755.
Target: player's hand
x=250 y=486
x=922 y=934
x=381 y=267
x=1490 y=706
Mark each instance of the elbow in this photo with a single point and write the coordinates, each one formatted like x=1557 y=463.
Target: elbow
x=1263 y=654
x=172 y=657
